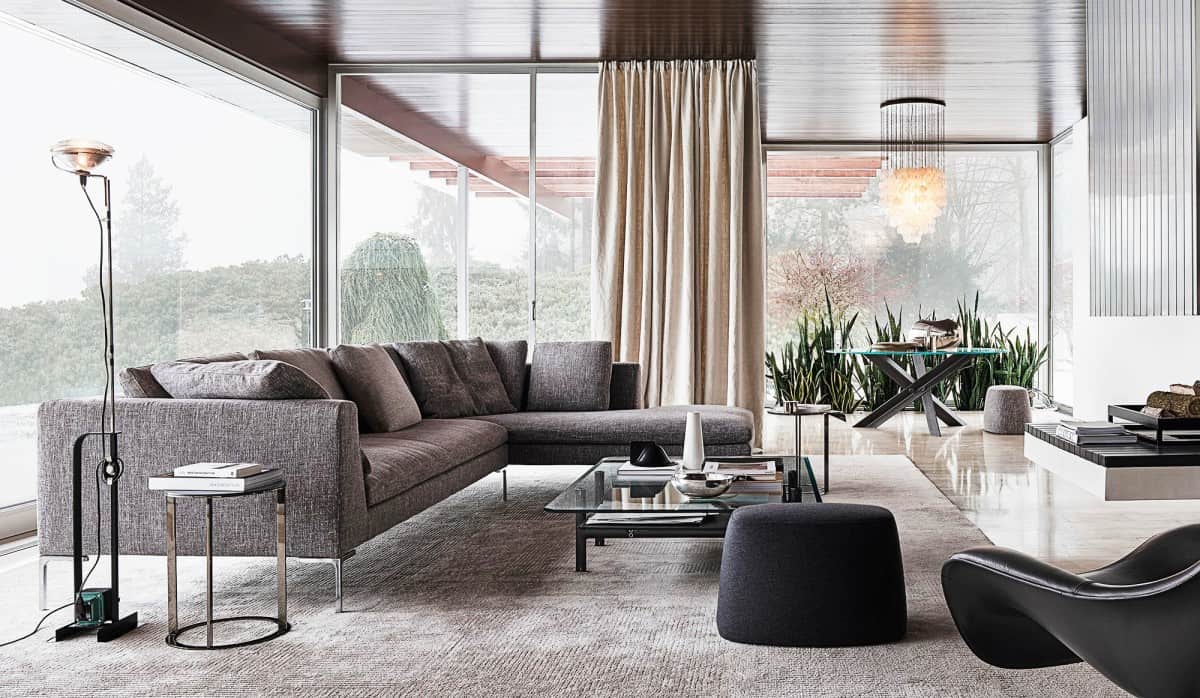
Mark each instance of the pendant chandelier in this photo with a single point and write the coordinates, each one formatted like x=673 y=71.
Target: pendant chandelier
x=912 y=186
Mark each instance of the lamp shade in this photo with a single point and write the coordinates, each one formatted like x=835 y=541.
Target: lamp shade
x=80 y=155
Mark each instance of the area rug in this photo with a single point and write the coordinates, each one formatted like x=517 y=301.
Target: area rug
x=478 y=596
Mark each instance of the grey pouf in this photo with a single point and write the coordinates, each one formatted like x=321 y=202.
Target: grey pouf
x=812 y=575
x=1006 y=409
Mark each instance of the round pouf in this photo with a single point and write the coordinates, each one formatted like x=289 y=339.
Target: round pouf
x=1006 y=409
x=811 y=575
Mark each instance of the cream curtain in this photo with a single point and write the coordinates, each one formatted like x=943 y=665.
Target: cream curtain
x=679 y=245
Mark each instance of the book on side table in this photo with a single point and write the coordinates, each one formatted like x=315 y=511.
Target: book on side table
x=216 y=477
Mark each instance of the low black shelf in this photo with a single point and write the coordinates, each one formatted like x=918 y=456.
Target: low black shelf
x=1134 y=455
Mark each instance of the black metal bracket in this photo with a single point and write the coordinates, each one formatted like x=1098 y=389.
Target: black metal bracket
x=113 y=625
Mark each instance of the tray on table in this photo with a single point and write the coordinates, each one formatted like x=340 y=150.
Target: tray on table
x=1160 y=431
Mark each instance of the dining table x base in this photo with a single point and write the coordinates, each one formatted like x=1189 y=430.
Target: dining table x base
x=918 y=385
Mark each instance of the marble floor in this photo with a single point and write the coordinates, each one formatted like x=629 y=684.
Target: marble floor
x=1014 y=502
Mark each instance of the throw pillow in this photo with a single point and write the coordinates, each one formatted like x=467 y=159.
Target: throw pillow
x=373 y=383
x=237 y=380
x=570 y=377
x=315 y=362
x=138 y=381
x=476 y=369
x=435 y=383
x=511 y=359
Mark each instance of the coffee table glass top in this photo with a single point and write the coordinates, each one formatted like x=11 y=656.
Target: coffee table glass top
x=604 y=488
x=968 y=351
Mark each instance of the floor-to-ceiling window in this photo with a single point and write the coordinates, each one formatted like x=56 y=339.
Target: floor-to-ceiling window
x=212 y=214
x=435 y=203
x=1068 y=227
x=827 y=234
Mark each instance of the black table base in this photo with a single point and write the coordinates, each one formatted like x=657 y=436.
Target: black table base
x=918 y=386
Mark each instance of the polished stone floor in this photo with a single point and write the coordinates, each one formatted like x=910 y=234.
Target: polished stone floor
x=1015 y=503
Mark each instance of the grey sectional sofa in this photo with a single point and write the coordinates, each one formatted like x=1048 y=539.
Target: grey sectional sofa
x=344 y=487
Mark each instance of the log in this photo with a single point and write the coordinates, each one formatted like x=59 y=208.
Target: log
x=1183 y=389
x=1179 y=404
x=1158 y=413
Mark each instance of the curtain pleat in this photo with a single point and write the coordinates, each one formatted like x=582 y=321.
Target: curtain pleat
x=680 y=246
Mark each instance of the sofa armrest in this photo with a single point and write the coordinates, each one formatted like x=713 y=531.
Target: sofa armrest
x=314 y=442
x=626 y=390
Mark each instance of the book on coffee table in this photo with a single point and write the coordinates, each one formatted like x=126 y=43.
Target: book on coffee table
x=656 y=518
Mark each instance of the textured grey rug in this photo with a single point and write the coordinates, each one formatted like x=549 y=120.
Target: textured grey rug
x=479 y=597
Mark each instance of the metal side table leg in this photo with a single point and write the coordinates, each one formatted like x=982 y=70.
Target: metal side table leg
x=281 y=554
x=172 y=575
x=208 y=570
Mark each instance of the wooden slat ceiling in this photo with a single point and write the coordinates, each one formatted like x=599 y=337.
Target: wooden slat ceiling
x=1009 y=70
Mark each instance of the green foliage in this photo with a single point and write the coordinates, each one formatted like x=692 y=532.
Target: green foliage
x=805 y=371
x=1021 y=360
x=386 y=294
x=876 y=387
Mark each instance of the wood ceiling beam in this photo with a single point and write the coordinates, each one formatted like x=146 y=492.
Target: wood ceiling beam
x=366 y=99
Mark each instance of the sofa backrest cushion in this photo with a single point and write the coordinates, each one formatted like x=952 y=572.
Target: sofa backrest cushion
x=626 y=391
x=237 y=380
x=570 y=376
x=371 y=379
x=313 y=361
x=453 y=379
x=511 y=359
x=139 y=381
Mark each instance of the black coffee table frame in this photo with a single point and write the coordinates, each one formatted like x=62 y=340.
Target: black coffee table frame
x=716 y=515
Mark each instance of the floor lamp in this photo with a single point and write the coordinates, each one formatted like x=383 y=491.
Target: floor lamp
x=96 y=609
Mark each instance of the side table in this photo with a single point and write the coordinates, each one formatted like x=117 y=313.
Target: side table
x=811 y=411
x=280 y=621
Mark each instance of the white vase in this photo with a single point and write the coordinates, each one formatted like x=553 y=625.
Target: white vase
x=693 y=443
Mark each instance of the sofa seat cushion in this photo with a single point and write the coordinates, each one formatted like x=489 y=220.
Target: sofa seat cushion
x=400 y=460
x=722 y=425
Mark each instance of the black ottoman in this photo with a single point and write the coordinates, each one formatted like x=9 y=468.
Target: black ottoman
x=811 y=575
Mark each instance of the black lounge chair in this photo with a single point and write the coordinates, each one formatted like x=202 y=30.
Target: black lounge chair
x=1137 y=621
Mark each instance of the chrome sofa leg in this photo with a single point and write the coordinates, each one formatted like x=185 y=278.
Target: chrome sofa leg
x=44 y=576
x=337 y=583
x=43 y=561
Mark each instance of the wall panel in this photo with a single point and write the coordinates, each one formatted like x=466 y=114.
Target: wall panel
x=1143 y=113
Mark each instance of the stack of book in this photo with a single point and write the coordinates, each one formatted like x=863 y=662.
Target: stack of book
x=1094 y=433
x=216 y=477
x=753 y=477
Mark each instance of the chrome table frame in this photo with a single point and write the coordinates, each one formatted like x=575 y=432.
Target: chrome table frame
x=280 y=621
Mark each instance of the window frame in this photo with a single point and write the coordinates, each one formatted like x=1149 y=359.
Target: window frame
x=330 y=180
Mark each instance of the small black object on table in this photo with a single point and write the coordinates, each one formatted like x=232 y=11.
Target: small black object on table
x=280 y=621
x=801 y=411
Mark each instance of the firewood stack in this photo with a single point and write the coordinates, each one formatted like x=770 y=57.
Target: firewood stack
x=1180 y=400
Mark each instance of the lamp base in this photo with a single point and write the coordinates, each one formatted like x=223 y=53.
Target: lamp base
x=106 y=631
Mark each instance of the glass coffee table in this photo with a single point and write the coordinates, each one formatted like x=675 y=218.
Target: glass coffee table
x=605 y=490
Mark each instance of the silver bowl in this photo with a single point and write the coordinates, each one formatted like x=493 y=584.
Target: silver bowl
x=702 y=485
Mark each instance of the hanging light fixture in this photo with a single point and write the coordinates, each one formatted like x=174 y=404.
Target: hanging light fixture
x=912 y=187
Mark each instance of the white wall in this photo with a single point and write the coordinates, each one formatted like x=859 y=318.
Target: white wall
x=1122 y=359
